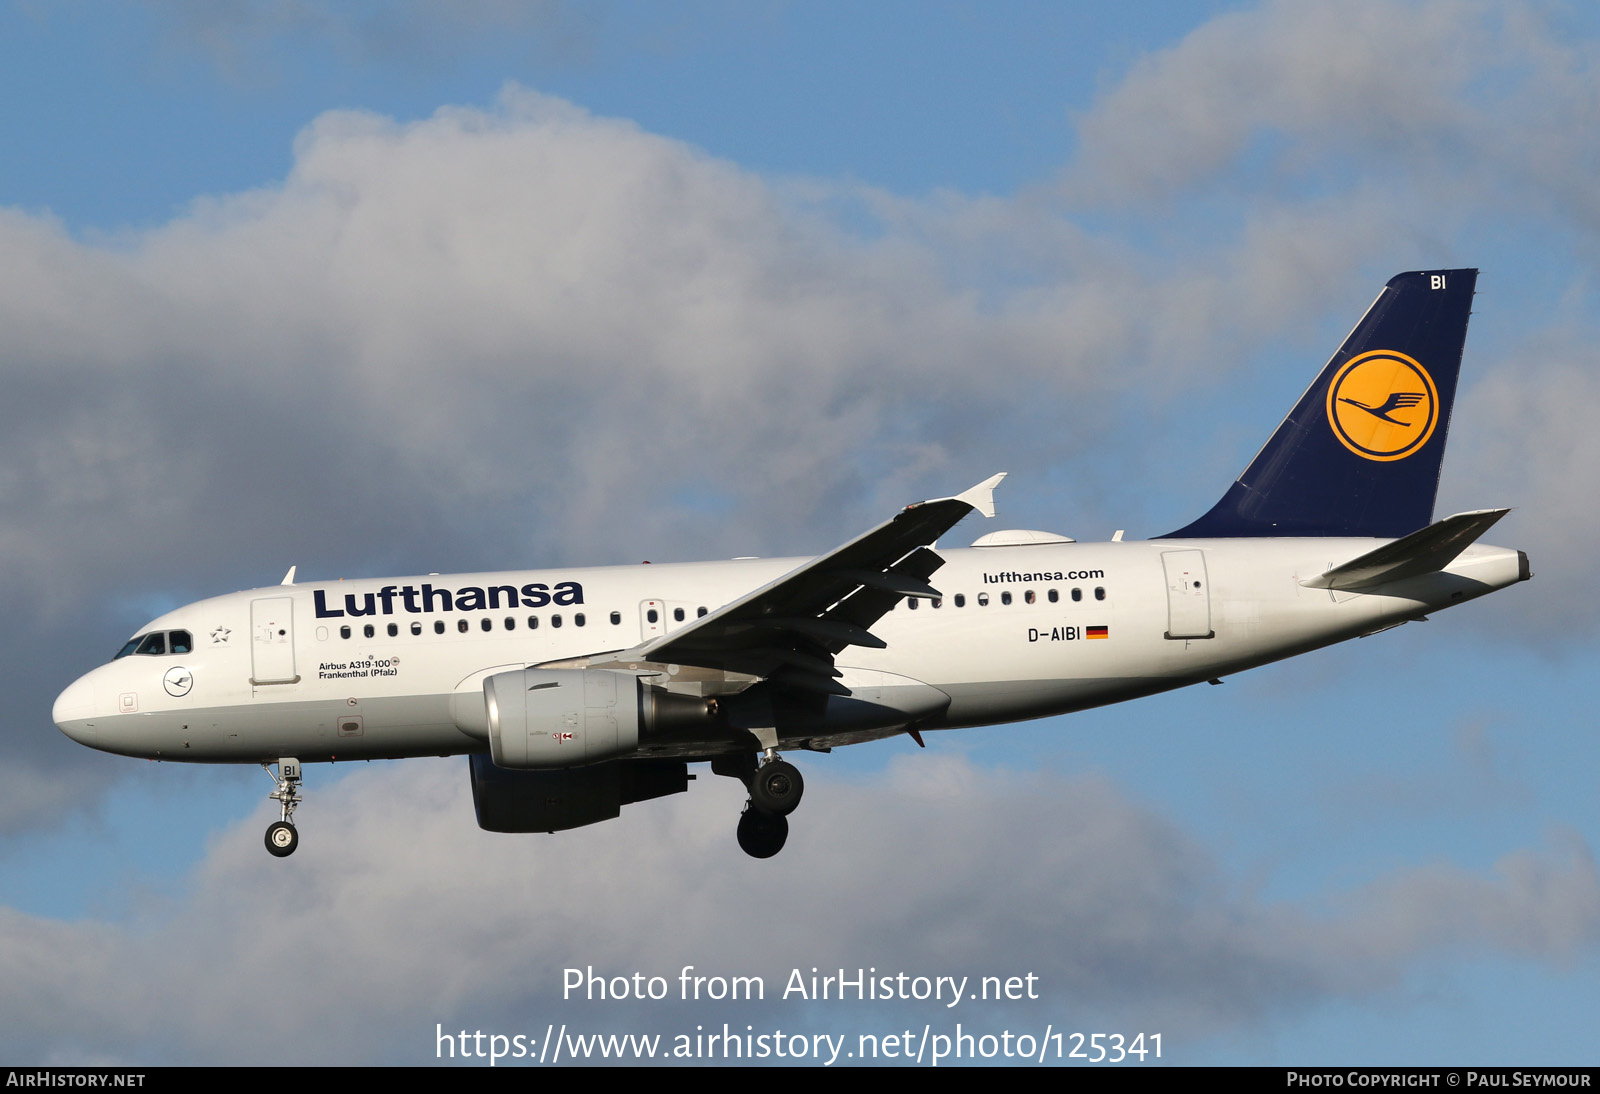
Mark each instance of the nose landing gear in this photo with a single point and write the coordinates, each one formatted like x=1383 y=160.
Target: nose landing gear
x=282 y=838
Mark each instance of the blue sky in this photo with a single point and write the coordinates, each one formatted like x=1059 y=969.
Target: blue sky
x=390 y=288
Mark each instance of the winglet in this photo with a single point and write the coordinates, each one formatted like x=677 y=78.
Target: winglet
x=288 y=578
x=981 y=497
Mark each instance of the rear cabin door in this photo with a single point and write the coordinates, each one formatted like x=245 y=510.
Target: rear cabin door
x=1188 y=594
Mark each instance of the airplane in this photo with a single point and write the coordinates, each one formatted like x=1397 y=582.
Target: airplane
x=575 y=692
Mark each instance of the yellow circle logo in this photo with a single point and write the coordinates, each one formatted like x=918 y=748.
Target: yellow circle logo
x=1382 y=405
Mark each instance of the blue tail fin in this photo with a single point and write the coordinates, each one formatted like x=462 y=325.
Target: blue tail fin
x=1360 y=453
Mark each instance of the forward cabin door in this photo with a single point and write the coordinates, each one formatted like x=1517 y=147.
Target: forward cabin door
x=272 y=640
x=1188 y=594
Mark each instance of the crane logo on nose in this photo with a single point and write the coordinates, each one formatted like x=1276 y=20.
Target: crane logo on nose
x=178 y=681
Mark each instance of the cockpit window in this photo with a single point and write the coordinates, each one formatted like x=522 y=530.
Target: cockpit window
x=161 y=642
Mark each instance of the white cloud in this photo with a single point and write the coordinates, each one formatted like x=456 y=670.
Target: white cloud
x=1535 y=447
x=397 y=913
x=1369 y=82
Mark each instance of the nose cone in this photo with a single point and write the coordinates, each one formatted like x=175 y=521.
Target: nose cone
x=74 y=710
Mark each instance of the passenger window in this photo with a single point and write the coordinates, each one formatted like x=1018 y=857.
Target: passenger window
x=616 y=618
x=983 y=600
x=487 y=624
x=511 y=624
x=416 y=628
x=438 y=626
x=677 y=615
x=368 y=630
x=1099 y=593
x=394 y=630
x=653 y=616
x=937 y=602
x=1053 y=595
x=1028 y=596
x=700 y=612
x=1005 y=597
x=961 y=600
x=555 y=620
x=180 y=642
x=344 y=631
x=1077 y=594
x=461 y=625
x=533 y=622
x=913 y=603
x=578 y=620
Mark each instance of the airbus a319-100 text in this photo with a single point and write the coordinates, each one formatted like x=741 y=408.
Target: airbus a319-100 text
x=578 y=691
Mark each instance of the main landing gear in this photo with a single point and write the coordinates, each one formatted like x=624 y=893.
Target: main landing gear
x=761 y=835
x=775 y=791
x=282 y=838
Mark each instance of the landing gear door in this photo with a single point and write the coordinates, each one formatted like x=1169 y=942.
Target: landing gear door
x=1188 y=594
x=272 y=641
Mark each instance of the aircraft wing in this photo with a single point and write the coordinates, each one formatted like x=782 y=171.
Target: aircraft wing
x=788 y=630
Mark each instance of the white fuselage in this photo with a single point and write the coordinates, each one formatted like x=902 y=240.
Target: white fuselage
x=293 y=671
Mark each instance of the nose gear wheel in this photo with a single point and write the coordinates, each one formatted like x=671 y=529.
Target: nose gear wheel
x=282 y=838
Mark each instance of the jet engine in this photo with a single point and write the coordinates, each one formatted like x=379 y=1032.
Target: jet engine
x=545 y=719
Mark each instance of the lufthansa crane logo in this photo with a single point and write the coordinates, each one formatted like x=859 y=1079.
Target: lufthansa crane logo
x=178 y=681
x=1382 y=405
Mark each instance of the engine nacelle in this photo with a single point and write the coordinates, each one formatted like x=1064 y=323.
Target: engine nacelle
x=552 y=801
x=549 y=718
x=544 y=719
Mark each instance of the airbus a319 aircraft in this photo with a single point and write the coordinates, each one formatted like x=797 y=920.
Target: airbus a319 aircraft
x=575 y=692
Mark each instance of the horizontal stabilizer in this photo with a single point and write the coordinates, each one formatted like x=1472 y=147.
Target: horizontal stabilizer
x=1422 y=552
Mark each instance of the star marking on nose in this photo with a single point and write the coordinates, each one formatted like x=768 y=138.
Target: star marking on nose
x=219 y=637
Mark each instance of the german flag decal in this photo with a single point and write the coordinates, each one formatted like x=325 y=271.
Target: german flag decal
x=1097 y=632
